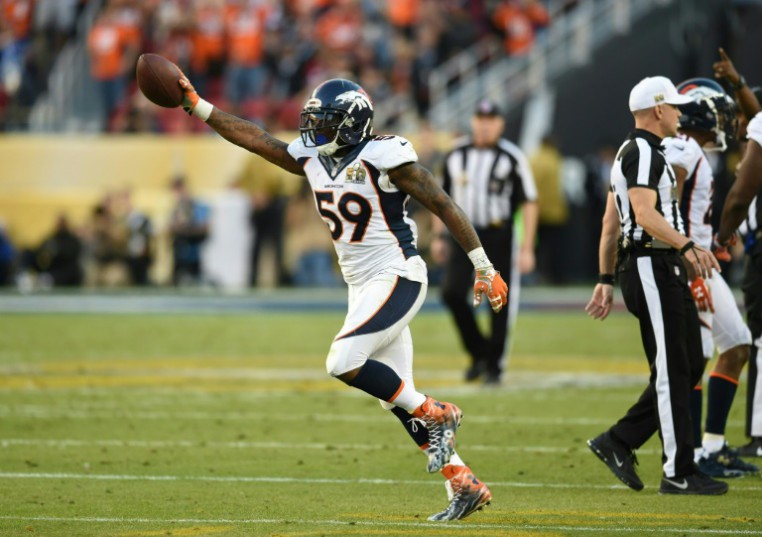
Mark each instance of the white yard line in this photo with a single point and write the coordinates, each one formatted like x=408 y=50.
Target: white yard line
x=298 y=480
x=46 y=412
x=378 y=524
x=406 y=446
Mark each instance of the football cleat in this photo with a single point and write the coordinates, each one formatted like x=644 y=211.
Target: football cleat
x=441 y=421
x=698 y=483
x=752 y=449
x=466 y=493
x=618 y=457
x=725 y=463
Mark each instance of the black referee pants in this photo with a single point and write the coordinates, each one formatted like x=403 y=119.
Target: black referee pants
x=457 y=293
x=752 y=296
x=655 y=290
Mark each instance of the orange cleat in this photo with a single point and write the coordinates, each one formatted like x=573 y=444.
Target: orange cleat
x=442 y=421
x=467 y=494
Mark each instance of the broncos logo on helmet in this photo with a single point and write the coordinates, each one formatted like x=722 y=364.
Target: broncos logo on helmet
x=338 y=113
x=712 y=110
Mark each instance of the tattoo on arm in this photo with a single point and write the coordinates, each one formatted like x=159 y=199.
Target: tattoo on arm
x=251 y=137
x=417 y=181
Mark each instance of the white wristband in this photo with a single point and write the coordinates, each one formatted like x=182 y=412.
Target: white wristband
x=203 y=109
x=479 y=259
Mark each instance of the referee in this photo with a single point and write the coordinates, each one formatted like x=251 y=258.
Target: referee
x=642 y=216
x=489 y=178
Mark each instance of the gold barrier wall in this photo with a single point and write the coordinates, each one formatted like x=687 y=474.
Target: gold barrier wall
x=43 y=176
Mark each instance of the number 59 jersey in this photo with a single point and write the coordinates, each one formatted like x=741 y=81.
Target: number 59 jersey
x=365 y=212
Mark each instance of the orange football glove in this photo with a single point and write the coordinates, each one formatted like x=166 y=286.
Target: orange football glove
x=721 y=251
x=190 y=97
x=490 y=283
x=702 y=295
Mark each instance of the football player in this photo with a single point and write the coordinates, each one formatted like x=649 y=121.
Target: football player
x=742 y=203
x=362 y=184
x=708 y=122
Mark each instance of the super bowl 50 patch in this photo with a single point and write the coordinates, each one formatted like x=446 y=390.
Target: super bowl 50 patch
x=355 y=174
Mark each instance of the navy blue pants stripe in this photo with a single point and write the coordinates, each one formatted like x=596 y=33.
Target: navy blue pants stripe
x=401 y=299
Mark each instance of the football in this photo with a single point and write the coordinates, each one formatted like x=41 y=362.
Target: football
x=158 y=80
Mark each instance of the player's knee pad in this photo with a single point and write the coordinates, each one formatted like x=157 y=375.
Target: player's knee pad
x=344 y=356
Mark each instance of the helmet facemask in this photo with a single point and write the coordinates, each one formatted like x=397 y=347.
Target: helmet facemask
x=321 y=128
x=724 y=109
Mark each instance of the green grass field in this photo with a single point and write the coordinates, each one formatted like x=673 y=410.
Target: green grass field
x=228 y=425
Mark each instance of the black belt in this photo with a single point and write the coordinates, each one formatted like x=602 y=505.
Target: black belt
x=652 y=247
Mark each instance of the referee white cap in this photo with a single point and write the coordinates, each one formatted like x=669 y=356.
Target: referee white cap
x=654 y=90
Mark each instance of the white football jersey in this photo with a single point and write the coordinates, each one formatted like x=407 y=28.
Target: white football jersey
x=754 y=129
x=365 y=212
x=696 y=202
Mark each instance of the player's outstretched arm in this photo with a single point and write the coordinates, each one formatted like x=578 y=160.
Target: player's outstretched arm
x=238 y=131
x=417 y=181
x=745 y=97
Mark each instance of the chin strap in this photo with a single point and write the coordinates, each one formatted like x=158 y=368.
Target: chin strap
x=328 y=149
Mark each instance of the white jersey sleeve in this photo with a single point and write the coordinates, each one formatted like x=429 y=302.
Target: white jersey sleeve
x=754 y=130
x=682 y=152
x=299 y=151
x=389 y=152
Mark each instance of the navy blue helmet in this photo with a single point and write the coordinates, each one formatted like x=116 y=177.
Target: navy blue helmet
x=337 y=114
x=712 y=110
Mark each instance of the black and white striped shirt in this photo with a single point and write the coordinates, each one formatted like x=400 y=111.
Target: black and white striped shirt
x=640 y=162
x=490 y=183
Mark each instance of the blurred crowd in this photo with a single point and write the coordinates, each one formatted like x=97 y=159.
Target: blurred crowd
x=255 y=57
x=264 y=231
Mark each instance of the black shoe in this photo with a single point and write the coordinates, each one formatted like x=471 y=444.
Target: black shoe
x=752 y=449
x=619 y=458
x=475 y=371
x=492 y=378
x=697 y=483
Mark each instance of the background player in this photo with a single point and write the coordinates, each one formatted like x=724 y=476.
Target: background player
x=709 y=121
x=747 y=186
x=361 y=185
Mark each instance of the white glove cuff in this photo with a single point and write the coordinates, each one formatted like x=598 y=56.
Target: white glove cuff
x=203 y=109
x=479 y=259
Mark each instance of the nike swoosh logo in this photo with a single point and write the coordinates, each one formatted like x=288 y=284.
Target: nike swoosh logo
x=403 y=143
x=617 y=461
x=681 y=485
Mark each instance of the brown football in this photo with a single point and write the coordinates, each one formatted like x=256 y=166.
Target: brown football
x=158 y=80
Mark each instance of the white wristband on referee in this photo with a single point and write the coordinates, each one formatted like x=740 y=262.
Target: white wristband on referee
x=203 y=109
x=479 y=259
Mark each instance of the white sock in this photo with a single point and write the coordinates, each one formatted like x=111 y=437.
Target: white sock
x=713 y=443
x=697 y=454
x=408 y=398
x=455 y=460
